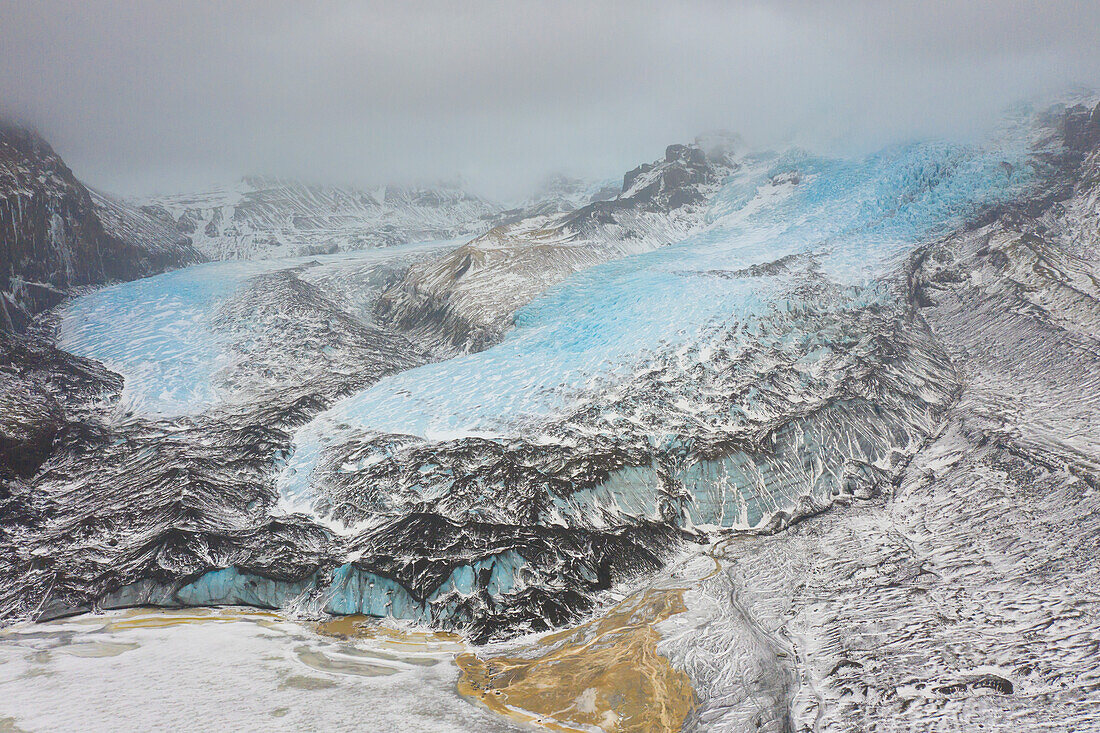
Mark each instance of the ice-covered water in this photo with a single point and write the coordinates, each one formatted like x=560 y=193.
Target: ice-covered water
x=228 y=670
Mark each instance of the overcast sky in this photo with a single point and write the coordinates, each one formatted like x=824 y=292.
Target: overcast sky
x=166 y=96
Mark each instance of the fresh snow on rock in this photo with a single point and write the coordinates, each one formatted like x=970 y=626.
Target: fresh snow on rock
x=262 y=218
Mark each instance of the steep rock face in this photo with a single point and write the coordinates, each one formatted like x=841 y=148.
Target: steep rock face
x=465 y=302
x=663 y=186
x=260 y=218
x=1081 y=129
x=1076 y=218
x=54 y=235
x=149 y=231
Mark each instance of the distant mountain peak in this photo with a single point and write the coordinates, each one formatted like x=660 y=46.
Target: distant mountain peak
x=263 y=217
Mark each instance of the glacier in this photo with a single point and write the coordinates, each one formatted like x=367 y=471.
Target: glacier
x=808 y=444
x=158 y=332
x=842 y=219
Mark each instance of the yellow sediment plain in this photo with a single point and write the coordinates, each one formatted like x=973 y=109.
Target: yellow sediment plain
x=158 y=618
x=368 y=627
x=604 y=674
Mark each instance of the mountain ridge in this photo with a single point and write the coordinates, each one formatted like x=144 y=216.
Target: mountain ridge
x=262 y=217
x=456 y=301
x=56 y=234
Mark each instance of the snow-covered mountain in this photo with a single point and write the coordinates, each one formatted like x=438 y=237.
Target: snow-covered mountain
x=767 y=441
x=560 y=194
x=261 y=218
x=55 y=234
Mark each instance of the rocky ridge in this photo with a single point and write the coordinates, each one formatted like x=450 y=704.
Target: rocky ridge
x=465 y=302
x=55 y=234
x=262 y=218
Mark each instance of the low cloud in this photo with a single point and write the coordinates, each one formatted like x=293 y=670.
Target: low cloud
x=140 y=97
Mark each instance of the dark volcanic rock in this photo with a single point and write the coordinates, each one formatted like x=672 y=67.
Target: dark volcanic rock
x=43 y=392
x=662 y=186
x=54 y=235
x=1081 y=129
x=456 y=302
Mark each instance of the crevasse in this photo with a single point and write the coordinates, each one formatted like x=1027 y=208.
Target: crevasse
x=857 y=218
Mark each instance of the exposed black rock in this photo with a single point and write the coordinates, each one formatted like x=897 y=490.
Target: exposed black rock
x=142 y=510
x=663 y=186
x=44 y=392
x=1081 y=129
x=54 y=235
x=456 y=304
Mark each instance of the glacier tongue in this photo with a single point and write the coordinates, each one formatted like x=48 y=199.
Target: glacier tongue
x=795 y=245
x=803 y=345
x=179 y=349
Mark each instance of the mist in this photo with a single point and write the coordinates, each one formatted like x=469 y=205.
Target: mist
x=154 y=98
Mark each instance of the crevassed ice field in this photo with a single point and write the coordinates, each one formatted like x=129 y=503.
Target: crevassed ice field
x=857 y=217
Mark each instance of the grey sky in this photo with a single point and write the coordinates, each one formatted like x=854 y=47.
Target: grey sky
x=143 y=96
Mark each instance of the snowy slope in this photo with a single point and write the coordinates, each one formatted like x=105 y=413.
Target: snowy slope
x=55 y=234
x=860 y=393
x=261 y=218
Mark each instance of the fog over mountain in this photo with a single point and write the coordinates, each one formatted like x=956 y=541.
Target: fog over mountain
x=143 y=98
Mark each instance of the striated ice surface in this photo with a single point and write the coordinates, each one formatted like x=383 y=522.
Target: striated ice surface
x=846 y=221
x=158 y=333
x=861 y=401
x=863 y=398
x=154 y=332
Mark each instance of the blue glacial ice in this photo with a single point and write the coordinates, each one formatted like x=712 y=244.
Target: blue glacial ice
x=156 y=332
x=354 y=591
x=859 y=218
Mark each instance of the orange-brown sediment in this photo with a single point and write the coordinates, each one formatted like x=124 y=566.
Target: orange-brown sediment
x=603 y=674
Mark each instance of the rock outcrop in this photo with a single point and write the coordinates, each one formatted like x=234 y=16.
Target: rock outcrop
x=56 y=235
x=465 y=302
